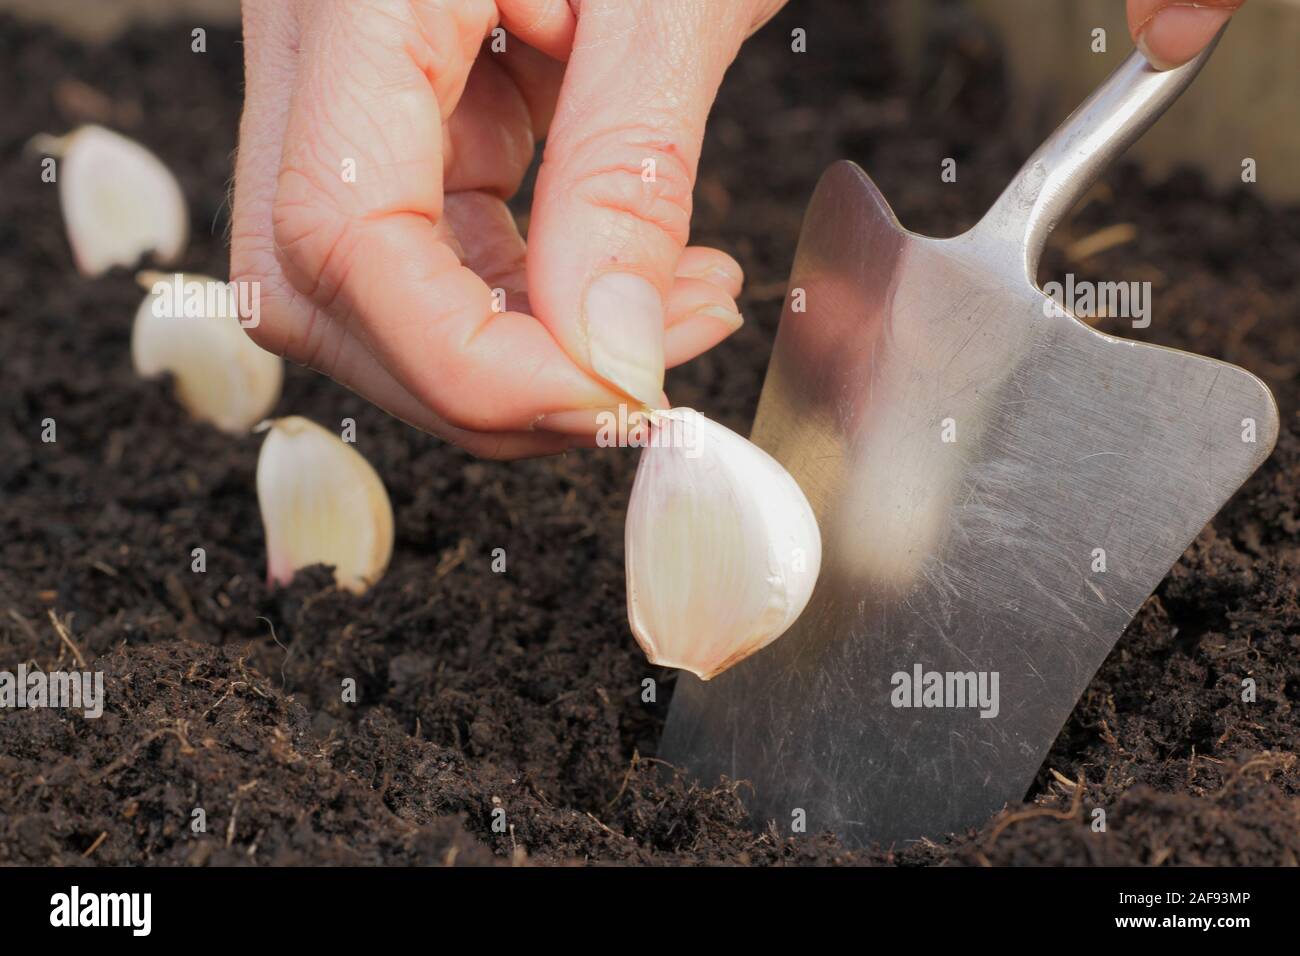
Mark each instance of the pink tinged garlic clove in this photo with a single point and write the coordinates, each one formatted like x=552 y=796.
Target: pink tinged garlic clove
x=119 y=201
x=722 y=547
x=321 y=503
x=189 y=325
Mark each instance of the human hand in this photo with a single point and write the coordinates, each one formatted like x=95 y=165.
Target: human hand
x=379 y=141
x=1171 y=32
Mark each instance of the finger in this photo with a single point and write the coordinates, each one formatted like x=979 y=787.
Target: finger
x=485 y=229
x=536 y=75
x=494 y=249
x=695 y=335
x=547 y=25
x=289 y=321
x=354 y=367
x=712 y=265
x=700 y=315
x=489 y=141
x=361 y=246
x=612 y=210
x=1171 y=32
x=364 y=138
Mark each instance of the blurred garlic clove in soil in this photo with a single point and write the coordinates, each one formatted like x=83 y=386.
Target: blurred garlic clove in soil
x=189 y=325
x=321 y=503
x=722 y=547
x=119 y=201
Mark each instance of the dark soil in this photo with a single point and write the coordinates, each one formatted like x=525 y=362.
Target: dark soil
x=522 y=690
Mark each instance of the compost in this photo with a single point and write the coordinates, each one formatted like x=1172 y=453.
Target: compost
x=523 y=691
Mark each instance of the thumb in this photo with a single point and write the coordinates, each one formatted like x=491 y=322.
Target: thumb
x=612 y=208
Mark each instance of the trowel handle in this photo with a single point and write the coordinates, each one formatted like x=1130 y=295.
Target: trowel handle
x=1091 y=138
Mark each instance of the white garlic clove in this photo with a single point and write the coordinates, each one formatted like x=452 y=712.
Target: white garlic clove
x=722 y=547
x=119 y=201
x=321 y=503
x=189 y=325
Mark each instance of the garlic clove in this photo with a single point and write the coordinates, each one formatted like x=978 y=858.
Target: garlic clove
x=722 y=547
x=189 y=325
x=321 y=503
x=119 y=201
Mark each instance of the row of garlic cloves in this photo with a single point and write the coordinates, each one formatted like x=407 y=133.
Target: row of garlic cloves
x=321 y=501
x=722 y=547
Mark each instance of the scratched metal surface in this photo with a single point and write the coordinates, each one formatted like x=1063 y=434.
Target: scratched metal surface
x=971 y=555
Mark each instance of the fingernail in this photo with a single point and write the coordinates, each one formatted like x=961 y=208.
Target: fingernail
x=729 y=279
x=1176 y=34
x=733 y=320
x=625 y=333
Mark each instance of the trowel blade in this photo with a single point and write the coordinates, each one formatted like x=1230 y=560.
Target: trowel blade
x=999 y=488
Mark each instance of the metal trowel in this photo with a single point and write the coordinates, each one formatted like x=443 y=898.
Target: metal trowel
x=999 y=488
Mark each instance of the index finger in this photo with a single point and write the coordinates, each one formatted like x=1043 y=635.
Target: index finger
x=358 y=216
